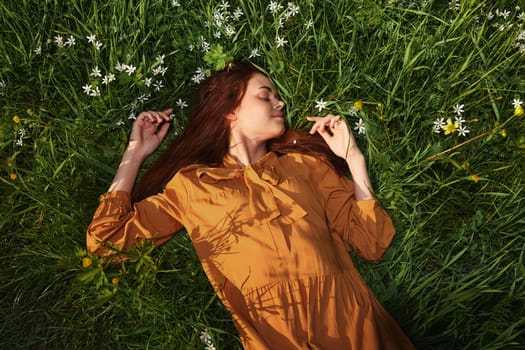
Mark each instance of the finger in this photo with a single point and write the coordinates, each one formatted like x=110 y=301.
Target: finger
x=163 y=131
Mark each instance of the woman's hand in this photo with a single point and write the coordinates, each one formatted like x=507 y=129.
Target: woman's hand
x=148 y=131
x=336 y=133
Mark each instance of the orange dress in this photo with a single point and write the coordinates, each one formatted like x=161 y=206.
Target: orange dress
x=273 y=238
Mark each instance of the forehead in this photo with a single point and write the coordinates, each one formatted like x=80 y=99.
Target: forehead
x=259 y=80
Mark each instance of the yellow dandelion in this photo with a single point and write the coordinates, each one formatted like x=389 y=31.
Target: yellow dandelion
x=518 y=111
x=450 y=127
x=16 y=119
x=86 y=262
x=474 y=178
x=13 y=176
x=115 y=281
x=358 y=105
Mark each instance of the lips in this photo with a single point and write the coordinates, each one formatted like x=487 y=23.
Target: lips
x=281 y=116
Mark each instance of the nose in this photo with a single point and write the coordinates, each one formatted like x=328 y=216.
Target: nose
x=279 y=105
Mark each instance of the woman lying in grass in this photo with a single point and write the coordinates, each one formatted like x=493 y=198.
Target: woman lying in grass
x=270 y=213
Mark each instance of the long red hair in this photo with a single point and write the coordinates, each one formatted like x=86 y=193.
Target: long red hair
x=206 y=138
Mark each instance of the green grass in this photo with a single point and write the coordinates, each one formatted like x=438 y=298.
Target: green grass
x=454 y=276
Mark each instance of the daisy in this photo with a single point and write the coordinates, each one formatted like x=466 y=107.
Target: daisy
x=281 y=41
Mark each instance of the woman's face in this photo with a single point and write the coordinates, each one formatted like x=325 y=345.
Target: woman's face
x=259 y=116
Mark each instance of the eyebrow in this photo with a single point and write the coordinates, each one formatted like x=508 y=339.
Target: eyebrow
x=269 y=89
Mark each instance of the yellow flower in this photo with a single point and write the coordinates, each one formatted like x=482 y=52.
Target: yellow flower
x=16 y=119
x=503 y=133
x=474 y=178
x=450 y=127
x=115 y=281
x=29 y=112
x=380 y=107
x=86 y=262
x=518 y=111
x=13 y=176
x=358 y=105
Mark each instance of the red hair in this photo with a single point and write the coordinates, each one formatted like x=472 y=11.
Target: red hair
x=206 y=138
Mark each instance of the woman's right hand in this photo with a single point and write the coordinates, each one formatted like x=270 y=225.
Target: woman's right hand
x=148 y=131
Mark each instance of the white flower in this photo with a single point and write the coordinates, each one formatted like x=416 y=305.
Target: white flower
x=181 y=104
x=22 y=132
x=281 y=41
x=38 y=50
x=120 y=122
x=98 y=45
x=438 y=123
x=95 y=92
x=458 y=109
x=95 y=72
x=225 y=5
x=132 y=115
x=459 y=119
x=120 y=67
x=516 y=102
x=490 y=16
x=70 y=41
x=91 y=38
x=108 y=78
x=217 y=35
x=504 y=14
x=293 y=9
x=360 y=126
x=157 y=86
x=230 y=31
x=87 y=88
x=147 y=82
x=175 y=3
x=254 y=53
x=462 y=130
x=59 y=41
x=320 y=104
x=209 y=347
x=521 y=16
x=130 y=69
x=275 y=7
x=160 y=59
x=237 y=13
x=353 y=111
x=309 y=24
x=143 y=98
x=19 y=142
x=205 y=46
x=160 y=70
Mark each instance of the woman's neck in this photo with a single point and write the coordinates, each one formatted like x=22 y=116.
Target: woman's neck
x=246 y=151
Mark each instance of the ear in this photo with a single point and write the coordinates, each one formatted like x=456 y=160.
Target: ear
x=231 y=116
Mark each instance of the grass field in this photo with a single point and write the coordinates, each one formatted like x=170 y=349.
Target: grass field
x=432 y=89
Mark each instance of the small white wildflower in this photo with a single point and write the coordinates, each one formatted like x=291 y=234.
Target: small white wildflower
x=70 y=41
x=459 y=119
x=108 y=78
x=87 y=88
x=95 y=72
x=521 y=16
x=293 y=9
x=38 y=50
x=19 y=142
x=95 y=92
x=254 y=53
x=462 y=130
x=147 y=82
x=217 y=35
x=59 y=41
x=504 y=14
x=454 y=5
x=280 y=23
x=98 y=45
x=175 y=3
x=181 y=103
x=205 y=337
x=130 y=69
x=225 y=5
x=209 y=347
x=309 y=24
x=158 y=85
x=120 y=67
x=353 y=111
x=22 y=132
x=458 y=109
x=516 y=103
x=360 y=126
x=237 y=13
x=132 y=115
x=281 y=41
x=490 y=16
x=120 y=122
x=143 y=98
x=205 y=46
x=275 y=7
x=191 y=47
x=91 y=38
x=159 y=70
x=230 y=31
x=320 y=104
x=160 y=59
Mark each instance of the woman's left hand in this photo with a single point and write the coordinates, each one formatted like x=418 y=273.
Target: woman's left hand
x=335 y=132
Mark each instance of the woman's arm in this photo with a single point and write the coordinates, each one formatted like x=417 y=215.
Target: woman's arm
x=147 y=133
x=342 y=142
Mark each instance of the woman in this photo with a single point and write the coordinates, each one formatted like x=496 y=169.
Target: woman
x=270 y=214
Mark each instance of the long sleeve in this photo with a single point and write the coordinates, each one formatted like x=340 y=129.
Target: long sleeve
x=363 y=224
x=119 y=225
